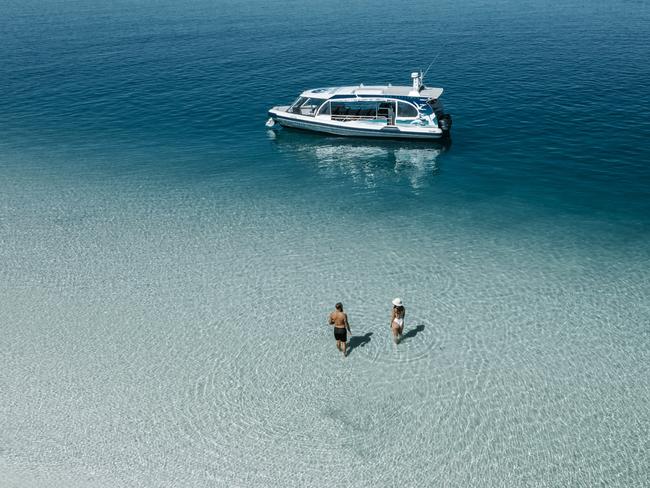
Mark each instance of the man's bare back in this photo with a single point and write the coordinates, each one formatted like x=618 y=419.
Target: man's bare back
x=339 y=319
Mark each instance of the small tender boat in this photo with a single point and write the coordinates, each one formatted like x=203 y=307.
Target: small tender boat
x=407 y=112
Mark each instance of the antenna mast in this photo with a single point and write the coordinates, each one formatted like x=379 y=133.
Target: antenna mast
x=428 y=67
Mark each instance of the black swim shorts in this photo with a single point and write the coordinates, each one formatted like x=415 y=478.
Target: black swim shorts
x=340 y=334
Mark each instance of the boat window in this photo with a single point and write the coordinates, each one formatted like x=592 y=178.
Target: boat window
x=353 y=110
x=326 y=109
x=406 y=110
x=310 y=106
x=387 y=110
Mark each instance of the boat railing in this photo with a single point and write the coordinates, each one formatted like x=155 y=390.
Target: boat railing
x=347 y=118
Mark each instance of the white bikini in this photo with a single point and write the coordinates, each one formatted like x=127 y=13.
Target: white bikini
x=399 y=321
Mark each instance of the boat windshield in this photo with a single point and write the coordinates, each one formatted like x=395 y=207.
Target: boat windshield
x=306 y=106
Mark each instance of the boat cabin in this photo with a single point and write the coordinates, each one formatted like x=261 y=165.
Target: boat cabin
x=387 y=111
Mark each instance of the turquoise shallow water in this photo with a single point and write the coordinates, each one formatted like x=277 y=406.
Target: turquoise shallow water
x=168 y=263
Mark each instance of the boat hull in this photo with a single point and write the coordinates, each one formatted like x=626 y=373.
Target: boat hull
x=346 y=129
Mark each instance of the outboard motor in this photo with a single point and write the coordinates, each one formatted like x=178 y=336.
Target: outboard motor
x=444 y=122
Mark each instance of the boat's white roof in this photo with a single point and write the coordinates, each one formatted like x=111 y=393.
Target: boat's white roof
x=378 y=90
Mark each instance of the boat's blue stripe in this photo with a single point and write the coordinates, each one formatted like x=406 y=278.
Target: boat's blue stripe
x=406 y=98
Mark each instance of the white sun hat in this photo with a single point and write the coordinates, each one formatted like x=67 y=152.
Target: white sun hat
x=398 y=302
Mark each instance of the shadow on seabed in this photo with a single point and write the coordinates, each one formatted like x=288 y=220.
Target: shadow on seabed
x=358 y=341
x=412 y=332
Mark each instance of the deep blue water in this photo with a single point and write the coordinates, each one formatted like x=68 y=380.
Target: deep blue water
x=131 y=131
x=550 y=100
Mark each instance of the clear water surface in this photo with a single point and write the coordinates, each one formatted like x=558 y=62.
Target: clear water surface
x=168 y=263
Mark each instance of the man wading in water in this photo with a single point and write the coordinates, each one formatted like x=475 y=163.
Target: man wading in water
x=339 y=320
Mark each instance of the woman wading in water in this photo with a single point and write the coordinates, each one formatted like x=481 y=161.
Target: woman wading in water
x=397 y=319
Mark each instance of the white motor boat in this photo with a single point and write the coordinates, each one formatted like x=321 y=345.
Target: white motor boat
x=406 y=112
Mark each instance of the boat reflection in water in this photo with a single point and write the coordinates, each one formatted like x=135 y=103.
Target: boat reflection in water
x=369 y=163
